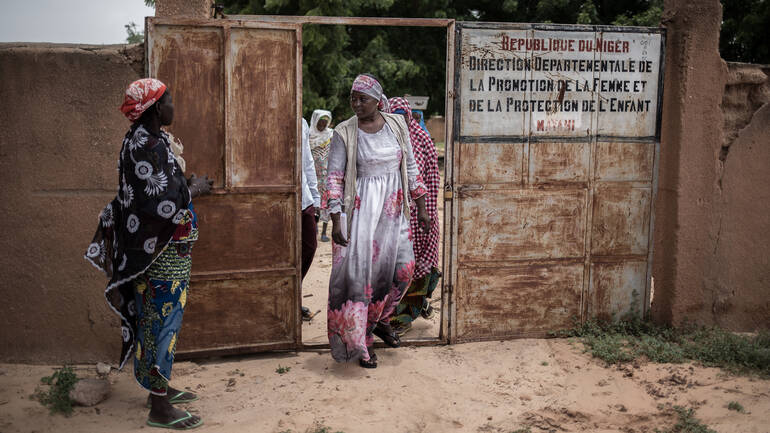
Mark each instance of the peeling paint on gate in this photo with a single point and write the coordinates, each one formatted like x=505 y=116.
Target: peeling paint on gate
x=554 y=175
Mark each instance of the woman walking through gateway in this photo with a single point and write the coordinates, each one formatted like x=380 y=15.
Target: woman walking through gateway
x=426 y=273
x=320 y=138
x=373 y=174
x=143 y=244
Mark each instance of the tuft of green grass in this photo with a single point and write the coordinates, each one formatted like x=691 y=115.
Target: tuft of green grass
x=282 y=370
x=630 y=339
x=57 y=398
x=522 y=430
x=544 y=363
x=321 y=429
x=734 y=405
x=687 y=423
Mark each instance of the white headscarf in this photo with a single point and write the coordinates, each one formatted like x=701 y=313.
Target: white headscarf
x=320 y=138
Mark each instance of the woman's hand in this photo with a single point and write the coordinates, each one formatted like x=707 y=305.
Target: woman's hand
x=199 y=185
x=424 y=220
x=337 y=236
x=422 y=214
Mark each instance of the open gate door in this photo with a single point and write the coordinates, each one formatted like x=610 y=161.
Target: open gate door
x=235 y=87
x=556 y=137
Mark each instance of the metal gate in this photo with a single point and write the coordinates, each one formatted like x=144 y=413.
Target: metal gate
x=556 y=137
x=236 y=91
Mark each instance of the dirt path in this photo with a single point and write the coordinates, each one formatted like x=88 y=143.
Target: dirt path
x=546 y=385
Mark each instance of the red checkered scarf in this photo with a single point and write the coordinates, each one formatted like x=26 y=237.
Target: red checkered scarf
x=419 y=138
x=140 y=95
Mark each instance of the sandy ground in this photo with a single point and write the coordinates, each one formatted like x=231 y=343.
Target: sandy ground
x=546 y=385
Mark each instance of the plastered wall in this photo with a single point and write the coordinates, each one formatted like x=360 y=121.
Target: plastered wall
x=712 y=217
x=60 y=134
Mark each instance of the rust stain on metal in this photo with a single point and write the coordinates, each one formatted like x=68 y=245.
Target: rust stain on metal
x=621 y=220
x=504 y=225
x=262 y=314
x=618 y=161
x=242 y=230
x=519 y=299
x=551 y=162
x=617 y=289
x=189 y=61
x=261 y=95
x=490 y=163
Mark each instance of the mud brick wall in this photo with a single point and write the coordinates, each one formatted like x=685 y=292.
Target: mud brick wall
x=60 y=134
x=711 y=260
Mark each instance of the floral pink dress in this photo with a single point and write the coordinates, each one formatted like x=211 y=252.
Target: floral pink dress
x=370 y=275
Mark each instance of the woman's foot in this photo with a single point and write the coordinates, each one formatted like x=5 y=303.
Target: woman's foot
x=372 y=362
x=427 y=310
x=163 y=414
x=401 y=330
x=386 y=334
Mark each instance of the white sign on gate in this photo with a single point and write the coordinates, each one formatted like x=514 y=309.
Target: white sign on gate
x=560 y=83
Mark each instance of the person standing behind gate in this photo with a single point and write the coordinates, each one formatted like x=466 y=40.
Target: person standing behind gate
x=143 y=244
x=371 y=171
x=426 y=273
x=320 y=137
x=311 y=200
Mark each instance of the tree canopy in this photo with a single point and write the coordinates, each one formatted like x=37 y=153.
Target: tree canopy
x=411 y=60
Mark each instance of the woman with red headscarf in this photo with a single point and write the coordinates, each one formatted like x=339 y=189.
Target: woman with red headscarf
x=426 y=273
x=143 y=244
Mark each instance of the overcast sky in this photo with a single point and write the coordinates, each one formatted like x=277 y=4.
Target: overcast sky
x=70 y=21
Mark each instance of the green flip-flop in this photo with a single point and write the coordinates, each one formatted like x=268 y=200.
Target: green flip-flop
x=172 y=424
x=177 y=399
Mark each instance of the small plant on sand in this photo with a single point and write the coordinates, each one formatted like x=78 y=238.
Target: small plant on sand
x=686 y=423
x=522 y=430
x=282 y=370
x=734 y=405
x=544 y=363
x=633 y=338
x=57 y=398
x=321 y=429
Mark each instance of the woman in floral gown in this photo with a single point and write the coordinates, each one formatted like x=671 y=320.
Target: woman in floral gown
x=372 y=174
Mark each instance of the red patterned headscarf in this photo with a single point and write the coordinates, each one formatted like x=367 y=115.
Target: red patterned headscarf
x=369 y=86
x=140 y=95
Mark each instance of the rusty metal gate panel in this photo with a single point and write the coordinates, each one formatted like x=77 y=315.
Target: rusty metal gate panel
x=236 y=93
x=556 y=138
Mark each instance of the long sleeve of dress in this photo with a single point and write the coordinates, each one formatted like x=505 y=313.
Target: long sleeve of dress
x=335 y=178
x=417 y=187
x=308 y=168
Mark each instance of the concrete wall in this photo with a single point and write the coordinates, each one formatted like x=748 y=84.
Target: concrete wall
x=711 y=260
x=183 y=8
x=61 y=134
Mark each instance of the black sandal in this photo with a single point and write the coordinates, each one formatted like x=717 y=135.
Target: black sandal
x=372 y=362
x=386 y=334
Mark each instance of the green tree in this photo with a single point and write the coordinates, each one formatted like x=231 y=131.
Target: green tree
x=133 y=35
x=745 y=25
x=412 y=60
